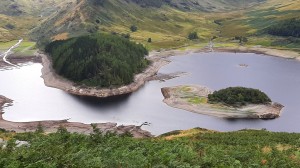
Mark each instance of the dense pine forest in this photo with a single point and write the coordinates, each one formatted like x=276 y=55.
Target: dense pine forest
x=286 y=28
x=193 y=148
x=238 y=96
x=101 y=60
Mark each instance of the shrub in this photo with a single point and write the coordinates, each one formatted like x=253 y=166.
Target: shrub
x=133 y=28
x=10 y=26
x=193 y=36
x=127 y=36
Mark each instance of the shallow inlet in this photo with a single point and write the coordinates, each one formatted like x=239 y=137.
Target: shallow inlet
x=277 y=77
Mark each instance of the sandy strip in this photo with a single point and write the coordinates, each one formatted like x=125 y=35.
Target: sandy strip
x=52 y=126
x=259 y=50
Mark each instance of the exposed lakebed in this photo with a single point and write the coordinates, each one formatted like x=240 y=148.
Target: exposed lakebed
x=277 y=77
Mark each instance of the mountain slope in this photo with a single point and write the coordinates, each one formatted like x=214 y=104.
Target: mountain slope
x=166 y=22
x=17 y=17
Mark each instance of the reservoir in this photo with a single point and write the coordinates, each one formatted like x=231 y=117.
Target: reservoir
x=278 y=77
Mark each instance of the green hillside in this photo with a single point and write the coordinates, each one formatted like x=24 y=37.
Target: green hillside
x=168 y=22
x=18 y=17
x=191 y=148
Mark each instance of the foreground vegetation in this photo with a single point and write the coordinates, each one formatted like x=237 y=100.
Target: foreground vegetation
x=192 y=148
x=98 y=60
x=238 y=96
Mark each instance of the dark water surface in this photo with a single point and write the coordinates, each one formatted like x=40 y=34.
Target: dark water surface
x=278 y=77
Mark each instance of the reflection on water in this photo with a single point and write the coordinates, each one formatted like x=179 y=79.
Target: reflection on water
x=102 y=102
x=278 y=77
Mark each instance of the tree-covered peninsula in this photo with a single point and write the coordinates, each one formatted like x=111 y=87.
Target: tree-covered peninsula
x=100 y=60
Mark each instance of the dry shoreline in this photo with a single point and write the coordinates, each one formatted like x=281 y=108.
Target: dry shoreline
x=52 y=126
x=193 y=98
x=265 y=51
x=158 y=59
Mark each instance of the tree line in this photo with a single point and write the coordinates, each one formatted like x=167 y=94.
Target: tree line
x=101 y=60
x=286 y=28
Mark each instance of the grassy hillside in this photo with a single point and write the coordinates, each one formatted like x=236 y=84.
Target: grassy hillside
x=18 y=17
x=168 y=23
x=30 y=7
x=191 y=148
x=253 y=22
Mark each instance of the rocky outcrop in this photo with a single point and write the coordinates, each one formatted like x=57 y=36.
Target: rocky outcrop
x=273 y=114
x=194 y=98
x=165 y=92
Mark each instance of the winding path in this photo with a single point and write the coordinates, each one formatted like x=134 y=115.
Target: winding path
x=5 y=54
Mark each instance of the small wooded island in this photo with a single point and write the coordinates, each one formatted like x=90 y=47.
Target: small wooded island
x=232 y=102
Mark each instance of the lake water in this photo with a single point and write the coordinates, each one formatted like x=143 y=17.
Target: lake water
x=277 y=77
